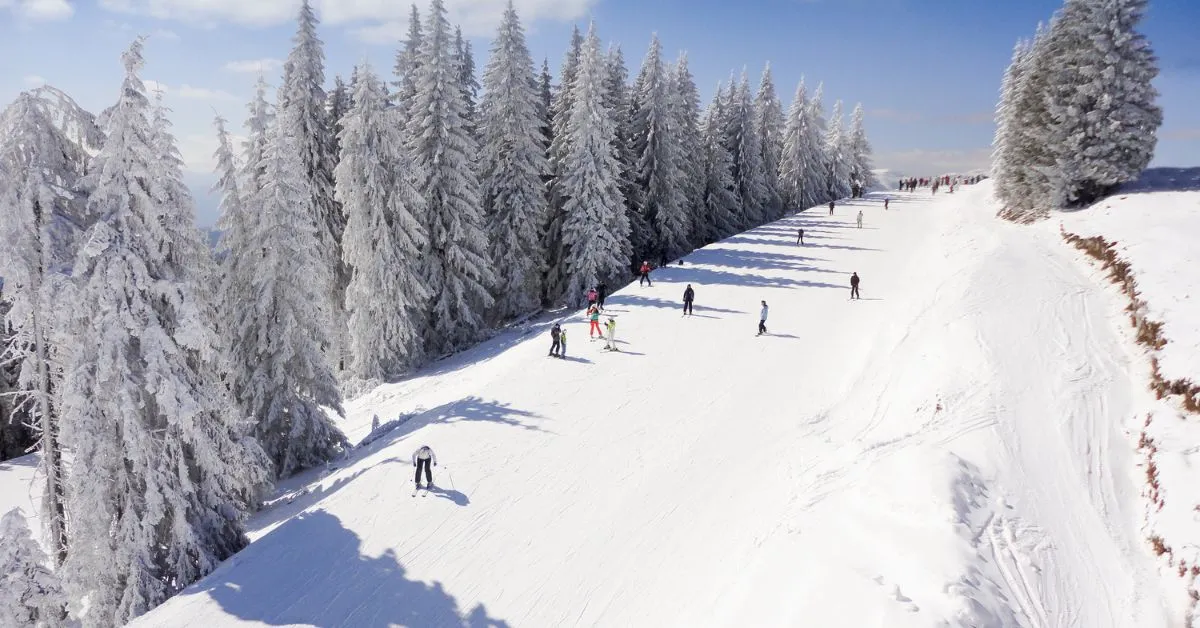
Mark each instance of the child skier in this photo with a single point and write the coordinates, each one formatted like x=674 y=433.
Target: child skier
x=592 y=295
x=762 y=320
x=830 y=208
x=645 y=278
x=556 y=340
x=562 y=342
x=421 y=459
x=688 y=296
x=800 y=237
x=611 y=344
x=885 y=201
x=860 y=219
x=594 y=318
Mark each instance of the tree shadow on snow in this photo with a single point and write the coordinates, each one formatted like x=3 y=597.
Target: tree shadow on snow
x=640 y=301
x=311 y=571
x=469 y=408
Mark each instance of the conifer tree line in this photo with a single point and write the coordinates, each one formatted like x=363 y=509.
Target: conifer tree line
x=366 y=229
x=1077 y=115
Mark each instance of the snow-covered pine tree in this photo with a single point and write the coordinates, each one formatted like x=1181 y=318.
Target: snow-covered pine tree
x=513 y=166
x=768 y=122
x=746 y=147
x=168 y=478
x=235 y=254
x=820 y=176
x=301 y=112
x=336 y=106
x=408 y=59
x=1034 y=173
x=595 y=227
x=254 y=148
x=660 y=179
x=289 y=382
x=721 y=211
x=386 y=296
x=457 y=267
x=45 y=139
x=838 y=164
x=797 y=156
x=30 y=594
x=686 y=122
x=862 y=175
x=545 y=91
x=1102 y=100
x=617 y=100
x=560 y=109
x=464 y=58
x=1005 y=160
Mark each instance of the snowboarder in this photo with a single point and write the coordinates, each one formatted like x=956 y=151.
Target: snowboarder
x=762 y=320
x=830 y=208
x=688 y=296
x=645 y=278
x=601 y=292
x=594 y=318
x=556 y=340
x=592 y=295
x=853 y=285
x=860 y=219
x=800 y=237
x=611 y=343
x=421 y=459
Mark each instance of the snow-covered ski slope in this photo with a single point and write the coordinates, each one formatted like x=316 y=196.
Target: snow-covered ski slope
x=947 y=451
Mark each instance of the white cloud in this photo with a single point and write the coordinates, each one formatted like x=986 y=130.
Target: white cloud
x=197 y=151
x=164 y=34
x=203 y=93
x=920 y=162
x=34 y=80
x=373 y=20
x=253 y=66
x=40 y=10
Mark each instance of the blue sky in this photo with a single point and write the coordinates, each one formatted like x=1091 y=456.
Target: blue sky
x=927 y=71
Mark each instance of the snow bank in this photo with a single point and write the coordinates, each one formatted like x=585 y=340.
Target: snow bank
x=1153 y=230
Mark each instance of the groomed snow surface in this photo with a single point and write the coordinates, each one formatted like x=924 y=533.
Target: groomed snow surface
x=955 y=449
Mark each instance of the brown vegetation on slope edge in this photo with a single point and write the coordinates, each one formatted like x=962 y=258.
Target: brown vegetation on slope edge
x=1149 y=334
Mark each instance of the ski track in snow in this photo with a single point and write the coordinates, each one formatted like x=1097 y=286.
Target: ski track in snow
x=945 y=452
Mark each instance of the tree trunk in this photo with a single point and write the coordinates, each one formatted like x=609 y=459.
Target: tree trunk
x=54 y=512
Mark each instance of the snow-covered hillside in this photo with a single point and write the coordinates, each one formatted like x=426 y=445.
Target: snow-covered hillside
x=951 y=448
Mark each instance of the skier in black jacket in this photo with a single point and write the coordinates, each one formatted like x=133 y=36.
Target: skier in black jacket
x=601 y=292
x=688 y=296
x=556 y=344
x=853 y=285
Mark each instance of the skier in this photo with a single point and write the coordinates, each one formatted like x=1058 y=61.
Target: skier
x=556 y=340
x=611 y=344
x=592 y=296
x=645 y=274
x=688 y=296
x=800 y=237
x=860 y=219
x=762 y=320
x=421 y=459
x=885 y=202
x=594 y=318
x=562 y=341
x=830 y=208
x=853 y=285
x=601 y=292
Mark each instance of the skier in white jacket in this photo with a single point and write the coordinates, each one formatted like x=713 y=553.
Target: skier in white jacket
x=762 y=320
x=421 y=459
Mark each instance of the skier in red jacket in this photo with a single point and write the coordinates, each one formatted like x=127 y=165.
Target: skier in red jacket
x=646 y=274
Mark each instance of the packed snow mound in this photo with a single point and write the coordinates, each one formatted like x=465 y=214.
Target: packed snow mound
x=946 y=451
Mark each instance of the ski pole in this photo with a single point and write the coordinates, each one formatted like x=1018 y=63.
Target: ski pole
x=451 y=478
